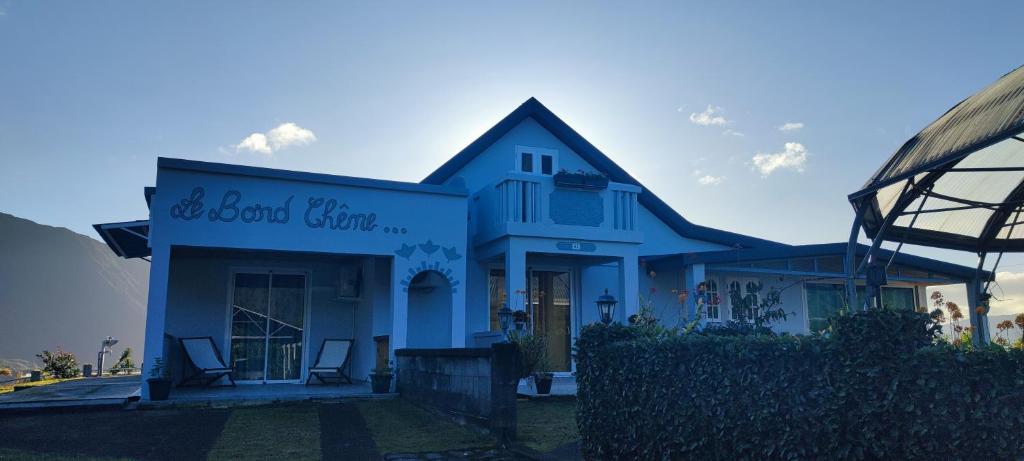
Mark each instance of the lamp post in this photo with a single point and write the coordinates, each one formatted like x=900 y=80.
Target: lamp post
x=606 y=307
x=505 y=319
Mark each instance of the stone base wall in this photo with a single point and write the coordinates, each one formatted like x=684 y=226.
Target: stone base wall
x=477 y=384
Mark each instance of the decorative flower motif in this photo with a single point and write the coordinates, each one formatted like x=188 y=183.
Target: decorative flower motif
x=429 y=247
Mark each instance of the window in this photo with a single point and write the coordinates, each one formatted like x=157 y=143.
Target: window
x=546 y=164
x=536 y=160
x=824 y=300
x=899 y=298
x=747 y=289
x=712 y=301
x=496 y=285
x=526 y=163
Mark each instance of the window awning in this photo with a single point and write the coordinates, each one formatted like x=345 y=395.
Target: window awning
x=959 y=183
x=126 y=239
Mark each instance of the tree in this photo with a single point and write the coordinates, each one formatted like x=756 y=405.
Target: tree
x=124 y=364
x=61 y=364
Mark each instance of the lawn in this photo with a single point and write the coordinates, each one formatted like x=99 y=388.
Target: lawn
x=5 y=388
x=545 y=425
x=400 y=427
x=302 y=431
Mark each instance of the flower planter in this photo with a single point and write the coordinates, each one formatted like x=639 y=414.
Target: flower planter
x=590 y=181
x=542 y=381
x=159 y=388
x=381 y=383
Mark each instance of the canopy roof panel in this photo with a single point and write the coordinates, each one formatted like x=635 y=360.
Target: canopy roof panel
x=959 y=183
x=126 y=239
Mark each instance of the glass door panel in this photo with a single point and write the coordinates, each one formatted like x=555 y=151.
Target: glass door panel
x=551 y=305
x=267 y=326
x=285 y=327
x=249 y=309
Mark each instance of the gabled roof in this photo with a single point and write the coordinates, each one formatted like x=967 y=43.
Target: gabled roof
x=803 y=251
x=532 y=108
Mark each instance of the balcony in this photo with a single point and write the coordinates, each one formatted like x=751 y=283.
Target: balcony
x=531 y=205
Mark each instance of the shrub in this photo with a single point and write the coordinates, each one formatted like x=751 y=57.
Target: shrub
x=61 y=364
x=879 y=387
x=124 y=364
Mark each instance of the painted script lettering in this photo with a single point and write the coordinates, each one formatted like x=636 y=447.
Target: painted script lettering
x=321 y=213
x=191 y=207
x=328 y=214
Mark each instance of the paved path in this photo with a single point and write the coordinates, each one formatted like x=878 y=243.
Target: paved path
x=79 y=393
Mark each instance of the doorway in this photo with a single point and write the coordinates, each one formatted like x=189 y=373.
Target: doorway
x=551 y=306
x=268 y=314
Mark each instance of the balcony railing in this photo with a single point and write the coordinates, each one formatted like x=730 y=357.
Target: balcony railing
x=522 y=204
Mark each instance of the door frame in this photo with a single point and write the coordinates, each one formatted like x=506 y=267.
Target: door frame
x=306 y=315
x=575 y=314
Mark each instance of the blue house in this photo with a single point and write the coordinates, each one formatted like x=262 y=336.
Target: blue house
x=268 y=263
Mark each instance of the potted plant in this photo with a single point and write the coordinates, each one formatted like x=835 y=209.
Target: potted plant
x=159 y=381
x=542 y=378
x=380 y=379
x=581 y=179
x=533 y=353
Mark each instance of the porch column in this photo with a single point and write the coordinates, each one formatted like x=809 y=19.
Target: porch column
x=399 y=307
x=692 y=276
x=979 y=323
x=156 y=312
x=515 y=275
x=629 y=286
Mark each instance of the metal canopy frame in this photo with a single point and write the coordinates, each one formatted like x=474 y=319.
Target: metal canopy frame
x=937 y=172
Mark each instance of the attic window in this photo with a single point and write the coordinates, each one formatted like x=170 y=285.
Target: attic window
x=536 y=160
x=526 y=164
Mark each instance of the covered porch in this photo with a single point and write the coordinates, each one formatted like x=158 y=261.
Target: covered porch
x=268 y=313
x=556 y=284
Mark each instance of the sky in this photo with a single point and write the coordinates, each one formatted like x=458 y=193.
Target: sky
x=757 y=118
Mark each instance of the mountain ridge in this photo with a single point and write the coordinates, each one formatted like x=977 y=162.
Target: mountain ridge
x=62 y=288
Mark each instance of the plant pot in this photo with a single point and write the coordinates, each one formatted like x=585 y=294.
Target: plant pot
x=543 y=383
x=381 y=383
x=159 y=388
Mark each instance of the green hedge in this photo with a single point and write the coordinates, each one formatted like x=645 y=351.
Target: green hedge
x=876 y=389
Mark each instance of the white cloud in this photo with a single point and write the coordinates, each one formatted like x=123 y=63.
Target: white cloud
x=280 y=137
x=1009 y=293
x=732 y=132
x=791 y=126
x=708 y=180
x=708 y=117
x=289 y=134
x=256 y=142
x=793 y=157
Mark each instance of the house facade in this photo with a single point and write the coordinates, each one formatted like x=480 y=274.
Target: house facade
x=269 y=263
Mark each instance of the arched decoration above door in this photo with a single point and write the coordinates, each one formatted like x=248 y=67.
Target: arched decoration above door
x=425 y=257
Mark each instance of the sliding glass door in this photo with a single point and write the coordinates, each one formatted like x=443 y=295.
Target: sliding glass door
x=267 y=326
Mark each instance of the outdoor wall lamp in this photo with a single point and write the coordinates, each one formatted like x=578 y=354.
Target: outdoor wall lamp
x=505 y=319
x=606 y=307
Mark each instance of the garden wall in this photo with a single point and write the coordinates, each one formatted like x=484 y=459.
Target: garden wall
x=876 y=389
x=477 y=384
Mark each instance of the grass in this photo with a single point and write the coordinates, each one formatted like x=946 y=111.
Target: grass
x=5 y=388
x=398 y=426
x=24 y=455
x=547 y=424
x=272 y=432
